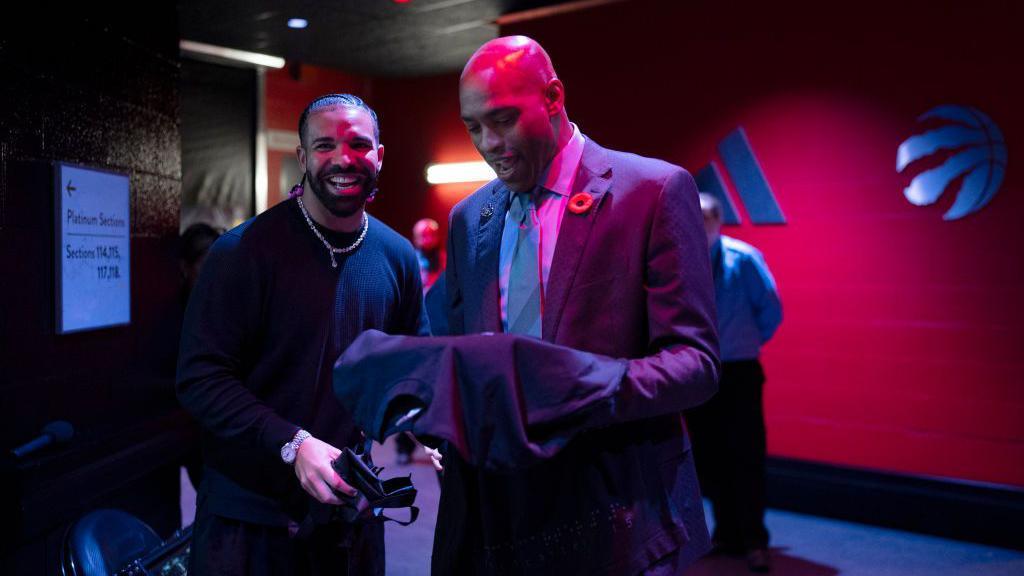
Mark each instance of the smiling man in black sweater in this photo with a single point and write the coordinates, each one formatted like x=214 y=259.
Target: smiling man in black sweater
x=280 y=297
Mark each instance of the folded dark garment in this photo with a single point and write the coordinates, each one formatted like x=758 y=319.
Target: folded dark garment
x=503 y=401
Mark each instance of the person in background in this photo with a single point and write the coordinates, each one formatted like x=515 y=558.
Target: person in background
x=194 y=243
x=157 y=355
x=193 y=246
x=426 y=238
x=728 y=431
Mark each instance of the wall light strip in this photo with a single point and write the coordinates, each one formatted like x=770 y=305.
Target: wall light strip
x=454 y=172
x=220 y=52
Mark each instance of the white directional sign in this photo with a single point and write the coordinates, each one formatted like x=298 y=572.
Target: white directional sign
x=93 y=241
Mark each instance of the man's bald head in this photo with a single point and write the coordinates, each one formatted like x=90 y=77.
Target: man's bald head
x=518 y=60
x=426 y=235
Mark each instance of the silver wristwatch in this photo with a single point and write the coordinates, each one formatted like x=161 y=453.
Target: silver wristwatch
x=291 y=449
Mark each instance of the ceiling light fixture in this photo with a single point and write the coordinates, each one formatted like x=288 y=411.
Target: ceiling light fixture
x=230 y=54
x=455 y=172
x=297 y=23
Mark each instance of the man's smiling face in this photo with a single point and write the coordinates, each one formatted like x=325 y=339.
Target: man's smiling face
x=342 y=158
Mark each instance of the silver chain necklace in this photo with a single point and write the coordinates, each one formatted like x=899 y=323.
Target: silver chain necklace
x=331 y=249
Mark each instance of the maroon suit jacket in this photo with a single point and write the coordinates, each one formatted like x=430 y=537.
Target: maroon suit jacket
x=630 y=279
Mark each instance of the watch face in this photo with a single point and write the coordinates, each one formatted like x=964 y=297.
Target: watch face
x=288 y=453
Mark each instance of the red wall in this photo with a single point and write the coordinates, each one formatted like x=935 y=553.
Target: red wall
x=901 y=347
x=420 y=125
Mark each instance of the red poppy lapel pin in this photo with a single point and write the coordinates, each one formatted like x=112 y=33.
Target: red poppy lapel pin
x=581 y=202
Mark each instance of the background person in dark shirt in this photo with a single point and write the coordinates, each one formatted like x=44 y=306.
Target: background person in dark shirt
x=279 y=298
x=193 y=246
x=194 y=243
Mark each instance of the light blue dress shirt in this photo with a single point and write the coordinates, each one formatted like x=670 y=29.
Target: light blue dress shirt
x=749 y=308
x=557 y=183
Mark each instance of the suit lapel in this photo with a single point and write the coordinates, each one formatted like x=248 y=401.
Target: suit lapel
x=593 y=177
x=488 y=243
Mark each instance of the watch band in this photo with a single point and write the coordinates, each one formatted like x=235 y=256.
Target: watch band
x=291 y=449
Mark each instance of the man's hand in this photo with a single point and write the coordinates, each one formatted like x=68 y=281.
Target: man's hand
x=435 y=457
x=318 y=478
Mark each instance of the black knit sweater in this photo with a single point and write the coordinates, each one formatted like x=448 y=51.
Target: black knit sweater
x=264 y=325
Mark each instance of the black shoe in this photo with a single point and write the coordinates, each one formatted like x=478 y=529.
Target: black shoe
x=758 y=560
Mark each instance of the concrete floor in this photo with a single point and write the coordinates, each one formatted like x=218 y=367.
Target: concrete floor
x=801 y=545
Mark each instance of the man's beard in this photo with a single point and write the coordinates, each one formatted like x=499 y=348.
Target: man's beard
x=344 y=206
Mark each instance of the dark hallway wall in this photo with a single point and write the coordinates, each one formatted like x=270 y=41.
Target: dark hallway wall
x=96 y=88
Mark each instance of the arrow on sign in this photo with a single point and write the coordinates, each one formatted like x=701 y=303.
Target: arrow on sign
x=70 y=188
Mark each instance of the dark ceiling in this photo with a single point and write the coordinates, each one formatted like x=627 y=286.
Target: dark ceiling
x=371 y=37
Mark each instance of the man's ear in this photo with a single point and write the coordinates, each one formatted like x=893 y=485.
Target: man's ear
x=380 y=156
x=554 y=97
x=300 y=154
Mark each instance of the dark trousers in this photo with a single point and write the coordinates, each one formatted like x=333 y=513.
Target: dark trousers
x=728 y=437
x=227 y=547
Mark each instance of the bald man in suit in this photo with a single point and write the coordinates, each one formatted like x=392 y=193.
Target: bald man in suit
x=603 y=252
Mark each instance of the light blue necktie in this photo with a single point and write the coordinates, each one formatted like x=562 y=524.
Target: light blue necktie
x=524 y=285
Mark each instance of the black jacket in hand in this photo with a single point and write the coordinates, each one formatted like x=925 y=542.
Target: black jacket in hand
x=491 y=397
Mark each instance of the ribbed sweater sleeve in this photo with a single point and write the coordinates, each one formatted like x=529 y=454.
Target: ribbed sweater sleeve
x=221 y=322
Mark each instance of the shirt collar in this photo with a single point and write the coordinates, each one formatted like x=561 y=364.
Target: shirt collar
x=561 y=173
x=716 y=247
